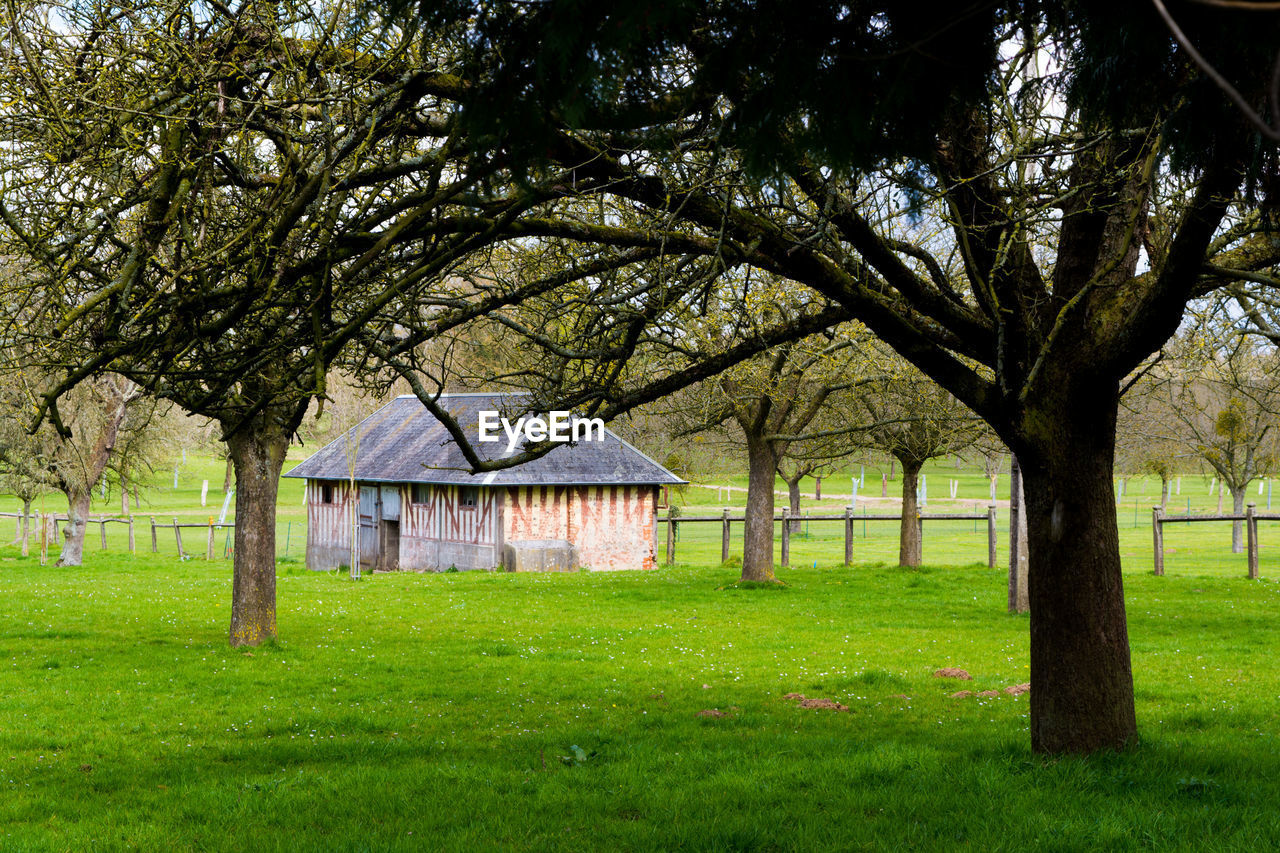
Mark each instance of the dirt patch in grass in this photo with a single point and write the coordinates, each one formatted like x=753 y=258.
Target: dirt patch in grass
x=1011 y=690
x=714 y=713
x=821 y=704
x=953 y=672
x=824 y=704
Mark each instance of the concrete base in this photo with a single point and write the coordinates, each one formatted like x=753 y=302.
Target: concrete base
x=325 y=558
x=540 y=555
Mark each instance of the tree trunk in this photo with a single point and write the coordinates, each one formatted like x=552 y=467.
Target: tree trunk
x=1081 y=677
x=1164 y=492
x=757 y=549
x=26 y=525
x=257 y=453
x=909 y=548
x=77 y=522
x=793 y=497
x=1019 y=563
x=1237 y=527
x=892 y=468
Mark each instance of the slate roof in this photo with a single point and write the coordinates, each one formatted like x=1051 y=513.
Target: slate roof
x=404 y=443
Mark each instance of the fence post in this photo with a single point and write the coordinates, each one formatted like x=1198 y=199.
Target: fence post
x=848 y=536
x=102 y=532
x=1157 y=538
x=208 y=551
x=44 y=537
x=177 y=535
x=724 y=538
x=991 y=536
x=671 y=539
x=131 y=540
x=1251 y=524
x=154 y=547
x=786 y=537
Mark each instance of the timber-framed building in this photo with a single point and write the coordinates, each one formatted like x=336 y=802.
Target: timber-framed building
x=398 y=484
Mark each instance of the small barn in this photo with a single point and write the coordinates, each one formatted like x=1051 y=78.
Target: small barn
x=416 y=505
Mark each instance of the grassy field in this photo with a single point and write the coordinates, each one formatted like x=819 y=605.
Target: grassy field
x=648 y=711
x=567 y=712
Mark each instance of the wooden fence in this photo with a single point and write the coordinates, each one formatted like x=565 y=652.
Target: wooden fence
x=43 y=526
x=1250 y=519
x=726 y=520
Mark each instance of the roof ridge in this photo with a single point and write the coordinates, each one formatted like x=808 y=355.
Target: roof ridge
x=469 y=394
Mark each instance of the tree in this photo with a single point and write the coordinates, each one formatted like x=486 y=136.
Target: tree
x=1054 y=180
x=913 y=420
x=1149 y=440
x=775 y=402
x=1222 y=396
x=104 y=416
x=215 y=201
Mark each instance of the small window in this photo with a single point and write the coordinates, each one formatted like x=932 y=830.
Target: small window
x=421 y=493
x=468 y=496
x=326 y=493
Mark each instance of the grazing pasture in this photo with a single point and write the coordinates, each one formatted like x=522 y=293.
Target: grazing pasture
x=609 y=711
x=638 y=711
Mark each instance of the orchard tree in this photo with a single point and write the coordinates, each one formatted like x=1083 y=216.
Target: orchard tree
x=775 y=405
x=913 y=420
x=1091 y=179
x=213 y=201
x=108 y=419
x=1222 y=399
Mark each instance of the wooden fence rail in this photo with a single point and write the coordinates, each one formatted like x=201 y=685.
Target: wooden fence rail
x=1250 y=518
x=726 y=521
x=43 y=526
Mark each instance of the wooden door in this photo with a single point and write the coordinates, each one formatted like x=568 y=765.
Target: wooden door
x=369 y=517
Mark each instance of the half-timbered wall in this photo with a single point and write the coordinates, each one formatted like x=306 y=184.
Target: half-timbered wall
x=612 y=526
x=328 y=524
x=443 y=531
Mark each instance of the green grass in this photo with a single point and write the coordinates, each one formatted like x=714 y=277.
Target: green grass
x=560 y=712
x=486 y=711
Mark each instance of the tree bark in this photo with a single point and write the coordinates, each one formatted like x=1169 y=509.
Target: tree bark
x=1164 y=492
x=1081 y=677
x=1237 y=527
x=757 y=548
x=26 y=525
x=910 y=551
x=257 y=452
x=77 y=523
x=1019 y=564
x=793 y=497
